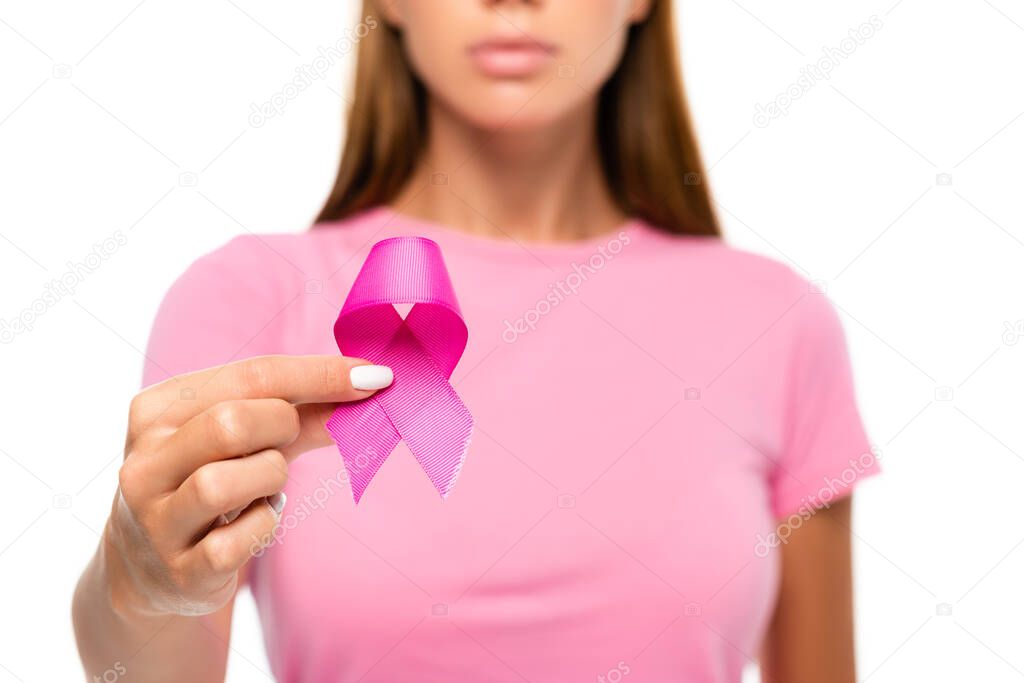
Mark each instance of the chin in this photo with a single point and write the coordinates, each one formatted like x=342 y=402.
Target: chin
x=513 y=107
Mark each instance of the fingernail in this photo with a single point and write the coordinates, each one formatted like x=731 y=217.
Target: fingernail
x=371 y=377
x=276 y=502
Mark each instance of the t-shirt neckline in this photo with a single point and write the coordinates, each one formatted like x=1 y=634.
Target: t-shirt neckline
x=398 y=223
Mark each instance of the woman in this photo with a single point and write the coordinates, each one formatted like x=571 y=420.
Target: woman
x=659 y=482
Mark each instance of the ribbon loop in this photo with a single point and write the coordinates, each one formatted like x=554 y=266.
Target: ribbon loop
x=421 y=406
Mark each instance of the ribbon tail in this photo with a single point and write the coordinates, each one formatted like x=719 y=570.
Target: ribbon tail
x=441 y=440
x=365 y=437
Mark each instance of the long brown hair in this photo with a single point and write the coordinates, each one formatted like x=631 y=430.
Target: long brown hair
x=646 y=142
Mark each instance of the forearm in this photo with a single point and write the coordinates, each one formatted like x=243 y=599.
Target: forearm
x=115 y=637
x=810 y=638
x=191 y=466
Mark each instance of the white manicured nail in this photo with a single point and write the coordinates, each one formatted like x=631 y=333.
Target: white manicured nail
x=276 y=502
x=371 y=377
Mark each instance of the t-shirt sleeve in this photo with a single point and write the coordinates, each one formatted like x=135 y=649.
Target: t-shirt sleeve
x=221 y=309
x=826 y=451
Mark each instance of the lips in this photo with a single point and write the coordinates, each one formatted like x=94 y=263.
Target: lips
x=517 y=58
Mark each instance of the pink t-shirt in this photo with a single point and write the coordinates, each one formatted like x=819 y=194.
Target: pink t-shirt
x=647 y=408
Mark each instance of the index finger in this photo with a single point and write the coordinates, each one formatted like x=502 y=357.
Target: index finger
x=296 y=379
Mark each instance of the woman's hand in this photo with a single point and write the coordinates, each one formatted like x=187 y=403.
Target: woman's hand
x=206 y=458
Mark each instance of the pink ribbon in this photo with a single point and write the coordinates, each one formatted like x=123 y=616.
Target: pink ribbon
x=421 y=405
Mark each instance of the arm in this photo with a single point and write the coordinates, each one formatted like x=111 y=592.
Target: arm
x=198 y=493
x=810 y=638
x=149 y=647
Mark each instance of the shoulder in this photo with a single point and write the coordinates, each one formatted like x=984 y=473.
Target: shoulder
x=250 y=296
x=721 y=267
x=258 y=276
x=749 y=293
x=268 y=261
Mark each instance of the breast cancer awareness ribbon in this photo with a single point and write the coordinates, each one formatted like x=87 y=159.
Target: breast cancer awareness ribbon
x=421 y=406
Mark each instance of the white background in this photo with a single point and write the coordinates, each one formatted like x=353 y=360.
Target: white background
x=106 y=108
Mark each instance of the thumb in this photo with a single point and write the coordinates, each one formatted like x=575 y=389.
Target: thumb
x=367 y=379
x=312 y=431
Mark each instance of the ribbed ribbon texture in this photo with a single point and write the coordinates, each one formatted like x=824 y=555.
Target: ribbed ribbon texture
x=421 y=406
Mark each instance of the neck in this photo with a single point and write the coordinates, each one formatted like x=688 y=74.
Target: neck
x=538 y=185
